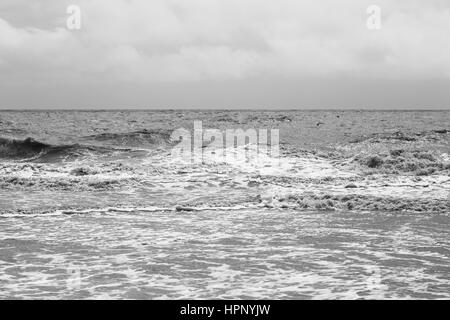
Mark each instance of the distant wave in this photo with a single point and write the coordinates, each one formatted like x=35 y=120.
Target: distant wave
x=140 y=138
x=431 y=135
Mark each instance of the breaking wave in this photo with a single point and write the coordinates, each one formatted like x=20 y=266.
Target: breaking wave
x=33 y=150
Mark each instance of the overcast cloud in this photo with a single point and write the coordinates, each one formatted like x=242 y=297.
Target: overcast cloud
x=196 y=53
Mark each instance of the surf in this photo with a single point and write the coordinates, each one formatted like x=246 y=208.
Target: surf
x=30 y=149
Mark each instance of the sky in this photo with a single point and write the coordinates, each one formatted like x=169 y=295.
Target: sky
x=271 y=54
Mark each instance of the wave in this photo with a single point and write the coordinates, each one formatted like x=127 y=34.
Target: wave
x=99 y=144
x=13 y=149
x=400 y=136
x=123 y=210
x=300 y=203
x=140 y=138
x=417 y=162
x=417 y=153
x=358 y=203
x=33 y=150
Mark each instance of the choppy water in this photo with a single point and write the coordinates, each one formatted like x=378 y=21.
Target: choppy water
x=93 y=205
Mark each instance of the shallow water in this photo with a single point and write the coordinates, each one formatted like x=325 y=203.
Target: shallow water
x=251 y=254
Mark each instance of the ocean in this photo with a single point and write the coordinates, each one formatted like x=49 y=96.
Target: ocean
x=353 y=205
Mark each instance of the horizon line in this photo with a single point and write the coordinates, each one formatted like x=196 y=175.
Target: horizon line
x=221 y=109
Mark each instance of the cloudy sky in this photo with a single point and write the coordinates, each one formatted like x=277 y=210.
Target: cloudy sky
x=225 y=54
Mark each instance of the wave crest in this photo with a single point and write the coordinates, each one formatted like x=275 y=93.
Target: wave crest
x=31 y=149
x=140 y=138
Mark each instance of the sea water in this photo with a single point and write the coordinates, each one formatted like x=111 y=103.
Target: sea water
x=93 y=205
